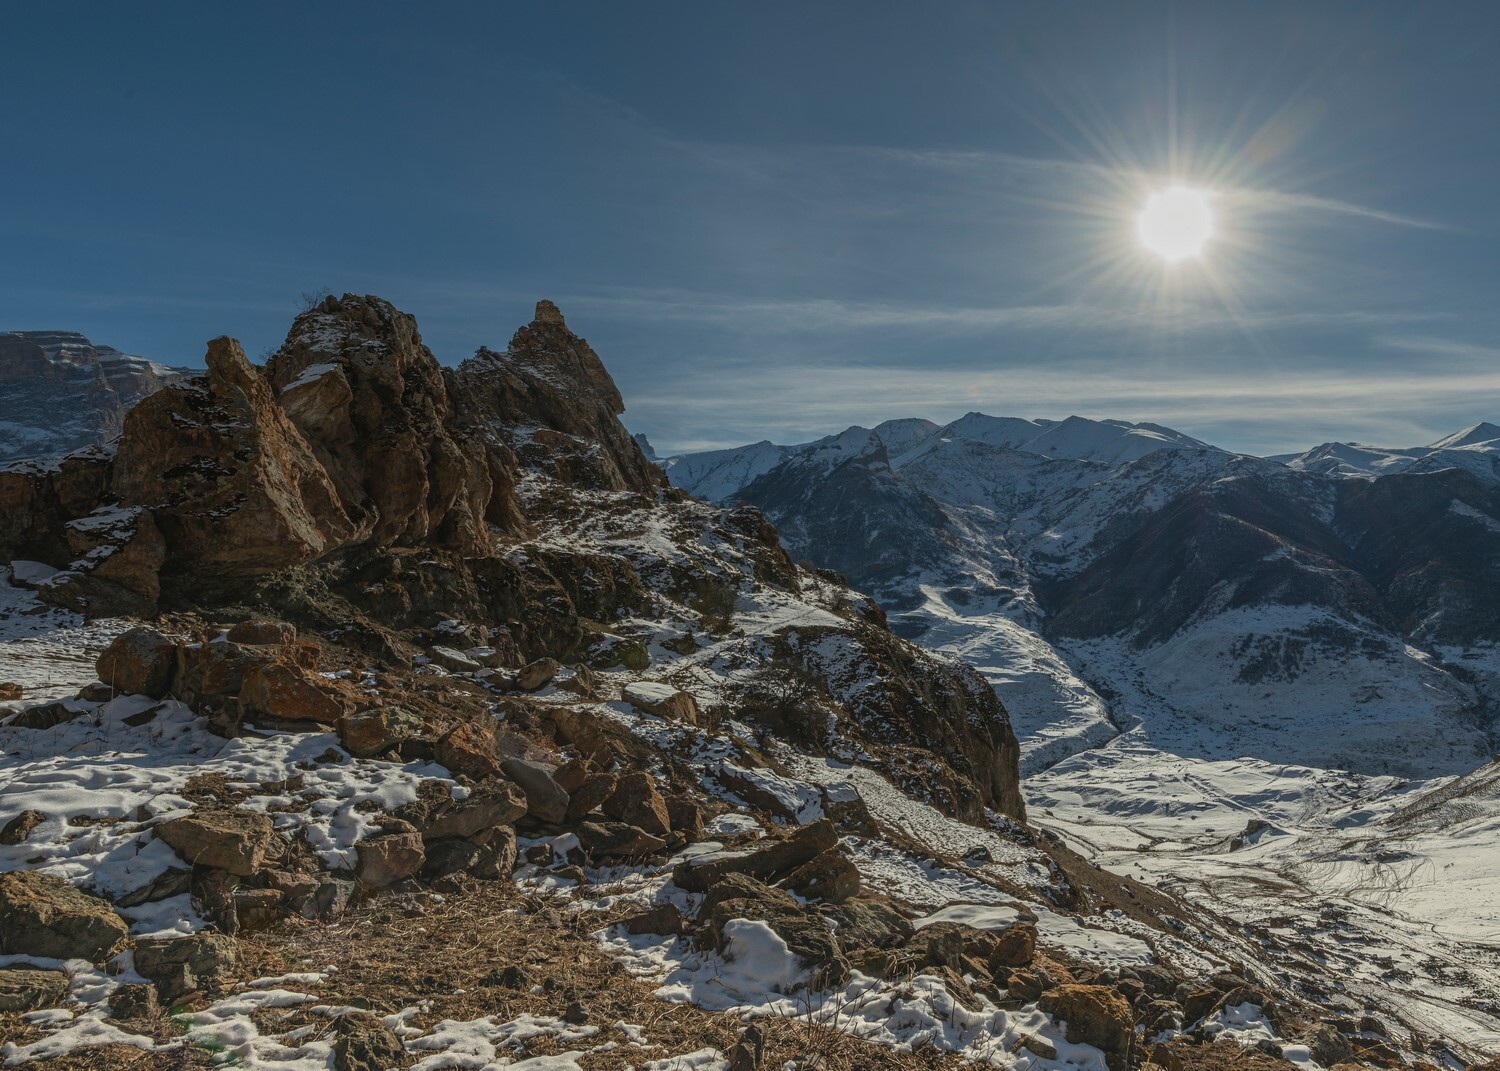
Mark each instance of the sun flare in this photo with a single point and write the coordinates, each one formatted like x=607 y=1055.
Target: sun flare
x=1176 y=223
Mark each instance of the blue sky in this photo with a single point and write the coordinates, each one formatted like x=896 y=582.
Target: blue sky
x=777 y=220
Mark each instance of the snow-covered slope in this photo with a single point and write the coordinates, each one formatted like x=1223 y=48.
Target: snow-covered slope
x=1475 y=449
x=60 y=392
x=1276 y=610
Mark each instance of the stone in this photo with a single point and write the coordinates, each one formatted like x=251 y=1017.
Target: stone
x=180 y=965
x=744 y=887
x=663 y=701
x=173 y=881
x=371 y=733
x=662 y=919
x=860 y=923
x=139 y=661
x=590 y=795
x=1015 y=947
x=388 y=858
x=599 y=738
x=773 y=860
x=1326 y=1045
x=469 y=748
x=572 y=775
x=261 y=632
x=804 y=931
x=493 y=802
x=226 y=838
x=536 y=675
x=1092 y=1015
x=19 y=828
x=24 y=989
x=1039 y=1047
x=363 y=1043
x=331 y=899
x=616 y=840
x=685 y=815
x=134 y=1000
x=42 y=915
x=831 y=877
x=282 y=691
x=258 y=909
x=1025 y=986
x=10 y=690
x=545 y=799
x=453 y=661
x=748 y=1051
x=49 y=715
x=636 y=802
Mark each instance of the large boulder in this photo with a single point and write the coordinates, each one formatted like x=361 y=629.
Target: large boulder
x=545 y=799
x=371 y=733
x=493 y=802
x=1092 y=1015
x=772 y=861
x=388 y=858
x=23 y=989
x=831 y=877
x=663 y=701
x=42 y=915
x=139 y=661
x=470 y=748
x=284 y=691
x=225 y=838
x=636 y=801
x=180 y=965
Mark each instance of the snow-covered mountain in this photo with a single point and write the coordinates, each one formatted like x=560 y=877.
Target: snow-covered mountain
x=60 y=392
x=1475 y=449
x=1109 y=575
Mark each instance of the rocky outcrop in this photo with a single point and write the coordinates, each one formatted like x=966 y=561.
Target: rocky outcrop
x=42 y=915
x=550 y=390
x=231 y=483
x=377 y=409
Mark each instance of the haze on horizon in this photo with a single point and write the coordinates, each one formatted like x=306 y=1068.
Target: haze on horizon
x=777 y=222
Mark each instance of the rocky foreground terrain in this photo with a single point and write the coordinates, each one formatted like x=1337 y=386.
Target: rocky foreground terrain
x=363 y=713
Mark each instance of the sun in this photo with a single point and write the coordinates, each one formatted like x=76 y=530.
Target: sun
x=1176 y=223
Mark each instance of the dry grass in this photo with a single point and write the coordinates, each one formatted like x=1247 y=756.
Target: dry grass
x=401 y=951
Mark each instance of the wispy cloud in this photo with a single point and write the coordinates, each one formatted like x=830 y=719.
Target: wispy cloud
x=1277 y=201
x=1042 y=169
x=820 y=315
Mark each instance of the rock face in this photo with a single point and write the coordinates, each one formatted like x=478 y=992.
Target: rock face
x=231 y=483
x=375 y=406
x=60 y=392
x=41 y=915
x=551 y=380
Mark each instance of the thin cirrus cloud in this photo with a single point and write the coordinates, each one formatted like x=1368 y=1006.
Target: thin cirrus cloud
x=826 y=314
x=1017 y=171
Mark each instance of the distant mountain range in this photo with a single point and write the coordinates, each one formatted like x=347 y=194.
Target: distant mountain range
x=60 y=392
x=1336 y=608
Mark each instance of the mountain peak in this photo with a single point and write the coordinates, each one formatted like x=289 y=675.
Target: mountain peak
x=1482 y=432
